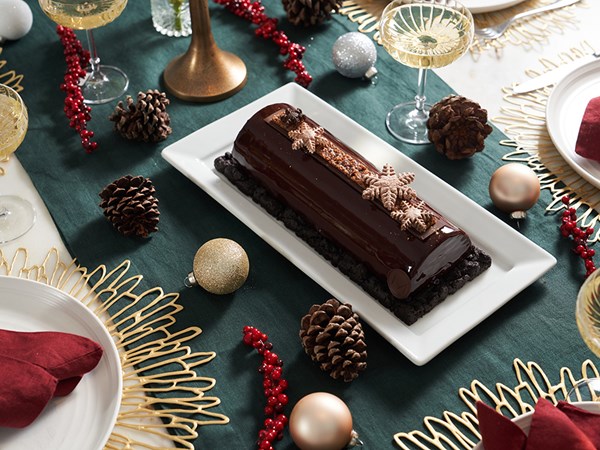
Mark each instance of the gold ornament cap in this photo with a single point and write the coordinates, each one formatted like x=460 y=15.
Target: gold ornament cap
x=322 y=421
x=514 y=188
x=221 y=267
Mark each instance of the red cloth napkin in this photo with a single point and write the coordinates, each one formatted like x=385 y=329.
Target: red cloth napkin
x=551 y=429
x=565 y=427
x=34 y=367
x=588 y=139
x=25 y=390
x=498 y=432
x=65 y=356
x=586 y=421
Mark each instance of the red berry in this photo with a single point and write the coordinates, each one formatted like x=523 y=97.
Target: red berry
x=271 y=358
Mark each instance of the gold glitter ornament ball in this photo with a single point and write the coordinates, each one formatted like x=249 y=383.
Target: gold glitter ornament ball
x=221 y=266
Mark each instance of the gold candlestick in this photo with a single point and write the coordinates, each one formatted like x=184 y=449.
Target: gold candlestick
x=204 y=73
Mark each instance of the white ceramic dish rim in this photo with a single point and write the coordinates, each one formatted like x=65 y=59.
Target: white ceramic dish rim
x=110 y=349
x=518 y=262
x=555 y=120
x=482 y=6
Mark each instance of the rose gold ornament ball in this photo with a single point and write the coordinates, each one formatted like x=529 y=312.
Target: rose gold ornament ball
x=321 y=421
x=514 y=188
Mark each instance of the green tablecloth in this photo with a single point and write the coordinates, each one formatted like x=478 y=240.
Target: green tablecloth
x=393 y=394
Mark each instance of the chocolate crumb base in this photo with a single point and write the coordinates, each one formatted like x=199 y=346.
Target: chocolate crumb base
x=409 y=310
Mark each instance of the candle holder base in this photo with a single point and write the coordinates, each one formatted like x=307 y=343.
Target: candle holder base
x=205 y=76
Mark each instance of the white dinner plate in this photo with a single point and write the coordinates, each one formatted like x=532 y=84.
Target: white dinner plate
x=85 y=418
x=564 y=112
x=481 y=6
x=524 y=420
x=517 y=262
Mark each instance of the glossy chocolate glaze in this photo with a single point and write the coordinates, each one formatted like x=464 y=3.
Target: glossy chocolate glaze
x=333 y=204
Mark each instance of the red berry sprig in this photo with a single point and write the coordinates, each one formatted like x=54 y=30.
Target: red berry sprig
x=274 y=387
x=78 y=113
x=569 y=228
x=253 y=11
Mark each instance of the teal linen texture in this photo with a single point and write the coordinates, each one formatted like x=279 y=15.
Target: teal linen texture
x=392 y=395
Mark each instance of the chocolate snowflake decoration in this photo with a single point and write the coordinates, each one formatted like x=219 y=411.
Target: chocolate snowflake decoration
x=414 y=215
x=306 y=137
x=389 y=186
x=291 y=117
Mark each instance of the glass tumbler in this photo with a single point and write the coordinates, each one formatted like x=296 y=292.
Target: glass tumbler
x=171 y=17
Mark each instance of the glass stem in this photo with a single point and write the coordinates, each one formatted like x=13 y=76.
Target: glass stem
x=94 y=59
x=420 y=97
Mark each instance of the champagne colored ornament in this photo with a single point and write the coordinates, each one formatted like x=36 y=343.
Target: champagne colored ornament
x=354 y=55
x=204 y=73
x=514 y=188
x=220 y=266
x=322 y=421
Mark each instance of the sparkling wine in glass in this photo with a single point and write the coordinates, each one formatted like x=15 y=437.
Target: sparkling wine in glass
x=16 y=214
x=102 y=83
x=423 y=34
x=587 y=316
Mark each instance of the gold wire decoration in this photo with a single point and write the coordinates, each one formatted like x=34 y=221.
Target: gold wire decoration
x=161 y=389
x=461 y=431
x=527 y=32
x=525 y=120
x=10 y=78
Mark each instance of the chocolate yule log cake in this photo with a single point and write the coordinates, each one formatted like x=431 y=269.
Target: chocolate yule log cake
x=370 y=224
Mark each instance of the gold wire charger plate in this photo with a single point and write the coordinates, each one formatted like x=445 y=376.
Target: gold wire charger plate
x=525 y=122
x=164 y=399
x=460 y=431
x=528 y=32
x=524 y=117
x=10 y=77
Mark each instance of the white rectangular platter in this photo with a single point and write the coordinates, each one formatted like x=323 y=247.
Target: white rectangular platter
x=517 y=262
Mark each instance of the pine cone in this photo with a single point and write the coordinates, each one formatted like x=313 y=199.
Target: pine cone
x=310 y=12
x=147 y=120
x=129 y=204
x=457 y=127
x=333 y=336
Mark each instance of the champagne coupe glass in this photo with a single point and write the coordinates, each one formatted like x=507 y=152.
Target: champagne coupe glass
x=16 y=214
x=102 y=83
x=587 y=315
x=424 y=34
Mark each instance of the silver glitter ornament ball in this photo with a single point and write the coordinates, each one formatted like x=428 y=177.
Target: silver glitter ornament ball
x=354 y=55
